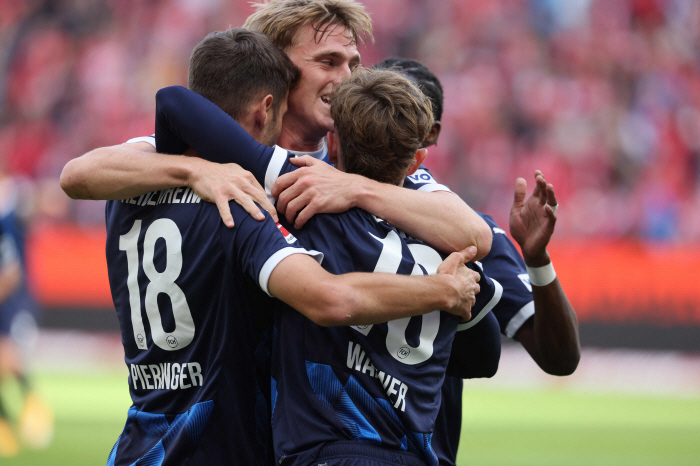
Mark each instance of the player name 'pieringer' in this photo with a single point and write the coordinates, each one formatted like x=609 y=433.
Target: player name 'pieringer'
x=392 y=385
x=168 y=376
x=180 y=195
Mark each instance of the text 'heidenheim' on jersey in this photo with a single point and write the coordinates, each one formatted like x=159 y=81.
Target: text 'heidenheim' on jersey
x=179 y=195
x=166 y=376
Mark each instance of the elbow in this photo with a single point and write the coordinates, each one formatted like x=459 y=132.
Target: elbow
x=565 y=366
x=71 y=181
x=331 y=310
x=484 y=239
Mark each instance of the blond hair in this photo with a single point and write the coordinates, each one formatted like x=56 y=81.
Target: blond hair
x=381 y=120
x=281 y=20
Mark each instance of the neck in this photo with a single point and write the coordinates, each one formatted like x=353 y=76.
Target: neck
x=294 y=138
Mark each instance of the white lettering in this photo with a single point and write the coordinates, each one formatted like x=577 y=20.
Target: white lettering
x=392 y=390
x=355 y=356
x=146 y=375
x=176 y=376
x=402 y=397
x=157 y=381
x=134 y=375
x=183 y=376
x=165 y=371
x=195 y=373
x=368 y=367
x=177 y=191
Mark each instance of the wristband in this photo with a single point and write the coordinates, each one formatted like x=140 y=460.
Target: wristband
x=541 y=276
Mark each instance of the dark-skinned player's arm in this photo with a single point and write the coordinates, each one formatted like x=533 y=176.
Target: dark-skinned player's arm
x=551 y=334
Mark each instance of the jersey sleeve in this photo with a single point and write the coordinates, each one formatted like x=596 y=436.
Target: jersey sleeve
x=186 y=119
x=422 y=180
x=505 y=264
x=476 y=348
x=259 y=246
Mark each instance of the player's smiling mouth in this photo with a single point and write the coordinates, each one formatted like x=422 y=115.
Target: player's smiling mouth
x=325 y=100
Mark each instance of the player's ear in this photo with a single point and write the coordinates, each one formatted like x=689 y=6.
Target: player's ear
x=264 y=112
x=332 y=143
x=418 y=160
x=433 y=135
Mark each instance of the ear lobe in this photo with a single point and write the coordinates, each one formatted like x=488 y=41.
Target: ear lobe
x=418 y=160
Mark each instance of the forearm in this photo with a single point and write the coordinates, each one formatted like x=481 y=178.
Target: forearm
x=551 y=335
x=440 y=219
x=121 y=172
x=357 y=298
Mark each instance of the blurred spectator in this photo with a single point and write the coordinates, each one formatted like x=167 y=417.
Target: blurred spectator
x=604 y=97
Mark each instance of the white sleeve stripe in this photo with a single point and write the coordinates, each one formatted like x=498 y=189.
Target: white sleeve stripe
x=519 y=319
x=274 y=260
x=149 y=139
x=433 y=187
x=489 y=306
x=279 y=156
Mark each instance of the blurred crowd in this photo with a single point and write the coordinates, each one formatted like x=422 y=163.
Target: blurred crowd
x=602 y=96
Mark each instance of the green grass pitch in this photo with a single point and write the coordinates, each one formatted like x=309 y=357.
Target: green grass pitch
x=499 y=427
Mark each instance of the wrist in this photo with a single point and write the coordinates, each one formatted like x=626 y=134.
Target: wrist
x=539 y=259
x=541 y=276
x=361 y=192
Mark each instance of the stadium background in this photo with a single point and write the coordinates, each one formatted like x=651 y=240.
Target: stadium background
x=602 y=96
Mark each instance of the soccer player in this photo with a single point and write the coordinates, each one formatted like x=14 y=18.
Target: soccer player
x=191 y=295
x=321 y=38
x=534 y=309
x=362 y=393
x=35 y=422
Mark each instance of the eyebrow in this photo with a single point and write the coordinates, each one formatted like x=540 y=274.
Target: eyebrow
x=333 y=54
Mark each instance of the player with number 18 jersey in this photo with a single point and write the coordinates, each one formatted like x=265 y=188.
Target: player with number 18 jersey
x=185 y=287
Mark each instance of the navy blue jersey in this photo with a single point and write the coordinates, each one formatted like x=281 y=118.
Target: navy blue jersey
x=377 y=384
x=19 y=305
x=191 y=303
x=505 y=264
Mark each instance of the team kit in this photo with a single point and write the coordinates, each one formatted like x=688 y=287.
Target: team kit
x=329 y=314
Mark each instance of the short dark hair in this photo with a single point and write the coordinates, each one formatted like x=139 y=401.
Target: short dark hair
x=237 y=67
x=421 y=75
x=381 y=120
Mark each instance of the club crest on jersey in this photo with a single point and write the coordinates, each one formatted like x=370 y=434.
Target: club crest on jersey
x=288 y=237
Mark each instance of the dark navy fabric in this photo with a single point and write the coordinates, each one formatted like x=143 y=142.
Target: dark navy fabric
x=12 y=250
x=504 y=264
x=376 y=384
x=373 y=384
x=191 y=312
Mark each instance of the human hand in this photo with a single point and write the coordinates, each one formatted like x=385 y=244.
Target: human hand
x=315 y=188
x=221 y=183
x=466 y=281
x=532 y=221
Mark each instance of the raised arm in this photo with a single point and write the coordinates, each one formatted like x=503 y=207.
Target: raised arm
x=551 y=334
x=372 y=298
x=440 y=219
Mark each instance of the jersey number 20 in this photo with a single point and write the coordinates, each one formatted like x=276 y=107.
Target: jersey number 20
x=388 y=262
x=159 y=282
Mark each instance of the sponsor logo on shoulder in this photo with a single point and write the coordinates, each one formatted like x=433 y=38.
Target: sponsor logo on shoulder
x=525 y=278
x=288 y=237
x=498 y=230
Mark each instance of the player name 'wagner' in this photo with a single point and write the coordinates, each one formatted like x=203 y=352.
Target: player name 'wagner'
x=360 y=362
x=168 y=376
x=179 y=195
